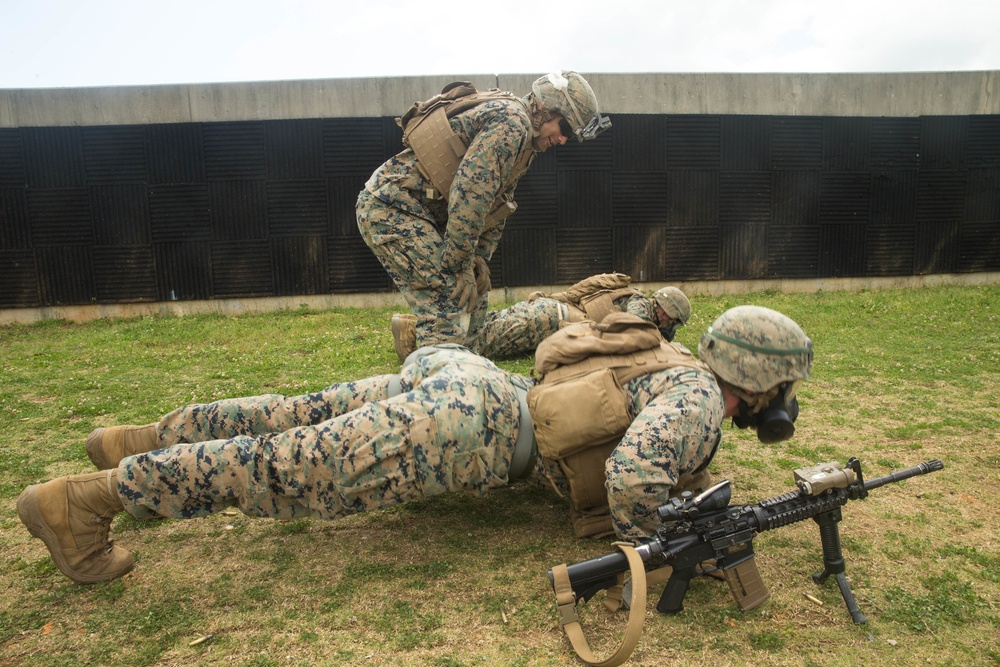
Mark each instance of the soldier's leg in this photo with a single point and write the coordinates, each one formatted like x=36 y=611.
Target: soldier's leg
x=268 y=413
x=439 y=319
x=519 y=329
x=253 y=415
x=410 y=249
x=477 y=320
x=455 y=432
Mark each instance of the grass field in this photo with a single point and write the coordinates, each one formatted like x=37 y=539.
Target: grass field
x=900 y=377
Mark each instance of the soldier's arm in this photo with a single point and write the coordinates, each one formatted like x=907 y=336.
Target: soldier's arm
x=480 y=178
x=641 y=307
x=678 y=425
x=488 y=241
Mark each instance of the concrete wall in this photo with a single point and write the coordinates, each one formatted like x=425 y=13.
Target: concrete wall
x=906 y=94
x=900 y=95
x=506 y=295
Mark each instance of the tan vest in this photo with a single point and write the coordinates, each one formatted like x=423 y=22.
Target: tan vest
x=598 y=305
x=439 y=150
x=580 y=412
x=593 y=298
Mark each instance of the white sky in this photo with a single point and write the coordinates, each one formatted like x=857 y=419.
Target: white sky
x=58 y=43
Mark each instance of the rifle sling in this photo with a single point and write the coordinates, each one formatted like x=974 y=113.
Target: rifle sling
x=570 y=622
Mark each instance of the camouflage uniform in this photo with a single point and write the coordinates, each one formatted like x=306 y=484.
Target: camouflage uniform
x=349 y=448
x=519 y=329
x=677 y=428
x=423 y=242
x=346 y=449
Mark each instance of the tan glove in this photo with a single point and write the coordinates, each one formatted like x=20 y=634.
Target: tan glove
x=482 y=272
x=465 y=289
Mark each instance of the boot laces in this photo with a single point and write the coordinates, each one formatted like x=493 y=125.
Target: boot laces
x=101 y=535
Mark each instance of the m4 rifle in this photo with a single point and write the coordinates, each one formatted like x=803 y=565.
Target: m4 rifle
x=699 y=529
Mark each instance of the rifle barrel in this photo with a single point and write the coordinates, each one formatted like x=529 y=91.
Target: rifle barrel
x=899 y=475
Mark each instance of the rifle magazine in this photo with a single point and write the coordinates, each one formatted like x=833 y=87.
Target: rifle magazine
x=745 y=584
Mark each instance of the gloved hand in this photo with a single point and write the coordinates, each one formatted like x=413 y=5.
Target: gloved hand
x=482 y=272
x=465 y=289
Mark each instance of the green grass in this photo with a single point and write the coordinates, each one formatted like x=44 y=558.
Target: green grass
x=900 y=376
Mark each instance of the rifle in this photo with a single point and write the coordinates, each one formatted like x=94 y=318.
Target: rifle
x=699 y=529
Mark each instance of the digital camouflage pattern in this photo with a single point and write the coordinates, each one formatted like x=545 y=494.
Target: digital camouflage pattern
x=343 y=450
x=423 y=242
x=678 y=425
x=517 y=330
x=756 y=348
x=349 y=448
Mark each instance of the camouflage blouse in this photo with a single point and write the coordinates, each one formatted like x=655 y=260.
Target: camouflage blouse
x=497 y=133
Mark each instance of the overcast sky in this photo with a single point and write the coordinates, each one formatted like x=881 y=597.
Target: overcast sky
x=57 y=43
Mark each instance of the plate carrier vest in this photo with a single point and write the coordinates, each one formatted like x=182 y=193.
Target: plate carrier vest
x=593 y=298
x=439 y=150
x=579 y=411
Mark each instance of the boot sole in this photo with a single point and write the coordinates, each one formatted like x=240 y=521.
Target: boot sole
x=31 y=517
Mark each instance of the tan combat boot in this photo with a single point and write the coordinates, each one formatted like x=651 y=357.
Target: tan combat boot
x=106 y=447
x=72 y=515
x=404 y=332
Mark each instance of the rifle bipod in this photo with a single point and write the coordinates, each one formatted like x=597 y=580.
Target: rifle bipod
x=833 y=561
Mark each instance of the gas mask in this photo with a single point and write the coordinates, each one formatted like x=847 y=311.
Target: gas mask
x=670 y=330
x=776 y=421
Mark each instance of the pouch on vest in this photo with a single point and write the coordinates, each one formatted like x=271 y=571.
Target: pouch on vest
x=592 y=522
x=619 y=333
x=599 y=305
x=502 y=209
x=589 y=509
x=599 y=413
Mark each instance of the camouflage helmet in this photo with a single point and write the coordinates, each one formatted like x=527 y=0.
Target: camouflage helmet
x=674 y=303
x=568 y=94
x=756 y=349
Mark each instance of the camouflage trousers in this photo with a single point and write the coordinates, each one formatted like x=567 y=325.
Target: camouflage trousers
x=343 y=450
x=518 y=330
x=410 y=248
